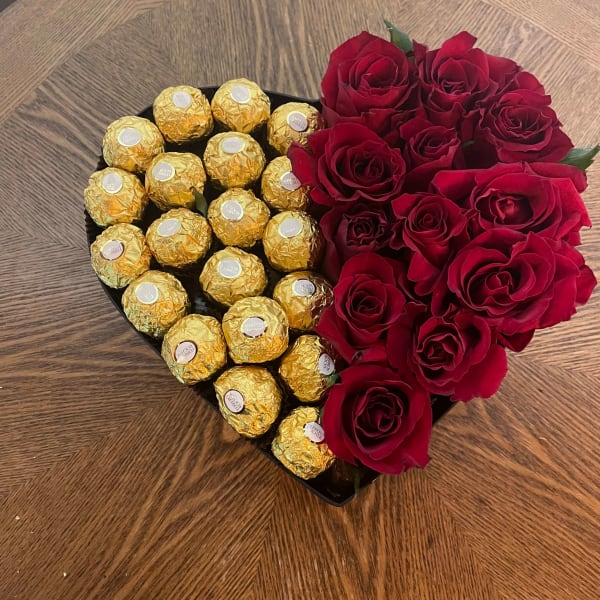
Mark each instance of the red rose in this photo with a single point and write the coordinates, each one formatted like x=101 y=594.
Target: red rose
x=366 y=303
x=454 y=355
x=348 y=163
x=377 y=419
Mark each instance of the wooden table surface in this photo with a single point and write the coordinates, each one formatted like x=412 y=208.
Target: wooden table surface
x=116 y=482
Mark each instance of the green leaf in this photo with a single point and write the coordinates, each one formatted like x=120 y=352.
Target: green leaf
x=399 y=38
x=581 y=158
x=201 y=204
x=332 y=379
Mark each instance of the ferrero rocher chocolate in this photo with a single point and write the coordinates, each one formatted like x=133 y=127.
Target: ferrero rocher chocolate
x=280 y=188
x=238 y=217
x=303 y=295
x=307 y=368
x=256 y=330
x=172 y=178
x=249 y=399
x=183 y=114
x=130 y=143
x=233 y=159
x=240 y=105
x=232 y=274
x=300 y=443
x=114 y=196
x=179 y=237
x=120 y=255
x=154 y=302
x=194 y=348
x=293 y=241
x=292 y=122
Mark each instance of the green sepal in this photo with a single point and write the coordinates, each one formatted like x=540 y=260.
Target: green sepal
x=332 y=379
x=399 y=38
x=201 y=204
x=581 y=158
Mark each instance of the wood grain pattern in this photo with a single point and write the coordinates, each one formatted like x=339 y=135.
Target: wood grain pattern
x=116 y=483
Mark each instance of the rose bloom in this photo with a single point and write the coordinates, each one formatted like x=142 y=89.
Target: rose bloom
x=375 y=418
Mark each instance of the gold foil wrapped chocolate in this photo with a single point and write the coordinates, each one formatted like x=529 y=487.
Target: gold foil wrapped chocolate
x=256 y=330
x=240 y=105
x=130 y=143
x=232 y=274
x=238 y=217
x=293 y=241
x=300 y=443
x=120 y=255
x=114 y=196
x=179 y=237
x=280 y=188
x=307 y=368
x=249 y=399
x=303 y=295
x=183 y=114
x=292 y=122
x=233 y=159
x=154 y=302
x=194 y=348
x=173 y=177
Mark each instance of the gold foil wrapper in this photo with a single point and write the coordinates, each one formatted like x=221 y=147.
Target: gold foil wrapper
x=249 y=399
x=114 y=196
x=183 y=114
x=130 y=143
x=194 y=348
x=292 y=122
x=238 y=217
x=307 y=368
x=233 y=159
x=303 y=295
x=232 y=274
x=120 y=255
x=154 y=302
x=293 y=241
x=280 y=188
x=240 y=105
x=172 y=178
x=179 y=238
x=256 y=330
x=299 y=444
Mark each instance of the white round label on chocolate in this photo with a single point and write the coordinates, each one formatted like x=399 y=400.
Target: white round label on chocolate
x=290 y=227
x=232 y=144
x=304 y=288
x=129 y=136
x=254 y=327
x=230 y=268
x=112 y=250
x=163 y=171
x=168 y=227
x=232 y=210
x=297 y=121
x=289 y=182
x=240 y=94
x=146 y=293
x=234 y=401
x=181 y=99
x=185 y=352
x=326 y=365
x=314 y=432
x=112 y=183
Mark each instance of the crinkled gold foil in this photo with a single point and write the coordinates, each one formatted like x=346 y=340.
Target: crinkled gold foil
x=172 y=178
x=249 y=399
x=304 y=295
x=114 y=196
x=118 y=145
x=256 y=330
x=280 y=188
x=240 y=105
x=233 y=159
x=232 y=274
x=293 y=241
x=183 y=114
x=295 y=450
x=194 y=348
x=307 y=368
x=238 y=217
x=179 y=237
x=292 y=122
x=164 y=301
x=120 y=255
